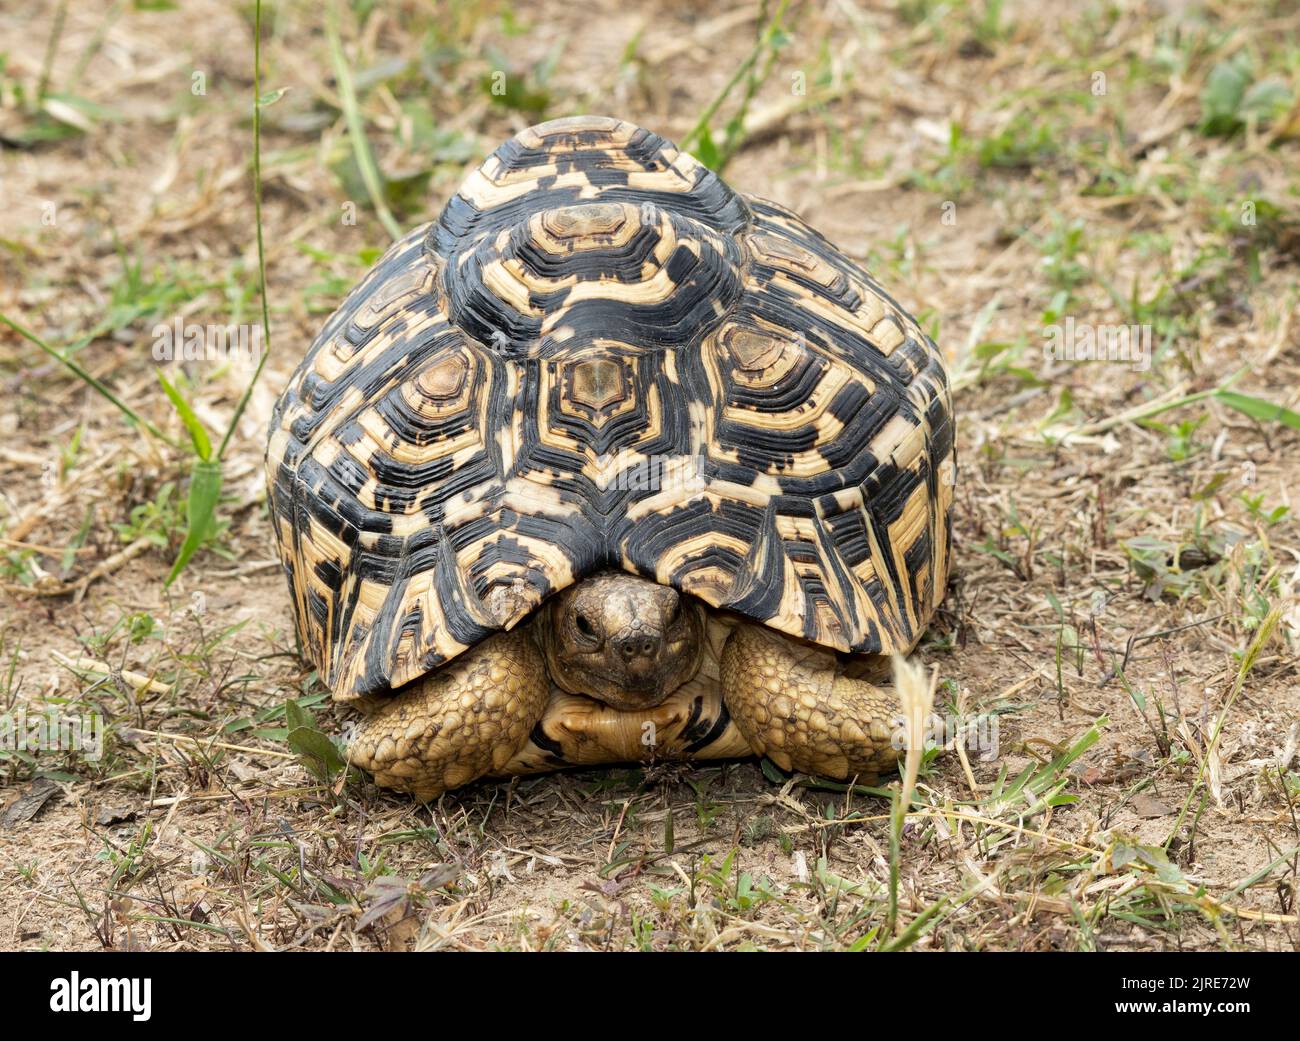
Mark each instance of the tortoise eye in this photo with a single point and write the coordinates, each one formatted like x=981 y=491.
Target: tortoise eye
x=584 y=625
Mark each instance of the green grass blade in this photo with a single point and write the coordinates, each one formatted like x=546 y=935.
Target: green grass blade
x=700 y=138
x=258 y=104
x=202 y=446
x=201 y=511
x=915 y=927
x=51 y=47
x=1258 y=408
x=897 y=815
x=1261 y=874
x=356 y=127
x=126 y=410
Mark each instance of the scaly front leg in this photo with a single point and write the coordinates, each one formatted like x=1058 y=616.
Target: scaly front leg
x=466 y=720
x=792 y=704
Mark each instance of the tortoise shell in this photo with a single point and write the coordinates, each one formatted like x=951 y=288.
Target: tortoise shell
x=601 y=356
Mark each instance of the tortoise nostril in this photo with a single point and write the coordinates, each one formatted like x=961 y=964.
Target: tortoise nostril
x=640 y=645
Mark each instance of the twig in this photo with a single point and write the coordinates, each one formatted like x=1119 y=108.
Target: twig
x=210 y=743
x=137 y=680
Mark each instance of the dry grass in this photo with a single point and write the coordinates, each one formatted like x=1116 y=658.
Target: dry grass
x=1125 y=590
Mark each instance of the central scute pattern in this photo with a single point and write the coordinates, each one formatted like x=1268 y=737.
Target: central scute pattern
x=572 y=275
x=602 y=356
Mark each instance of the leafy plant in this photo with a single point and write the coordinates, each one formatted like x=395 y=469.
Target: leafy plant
x=1181 y=437
x=1255 y=507
x=153 y=520
x=322 y=757
x=1155 y=562
x=1232 y=96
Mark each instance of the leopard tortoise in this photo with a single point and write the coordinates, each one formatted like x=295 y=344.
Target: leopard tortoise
x=612 y=463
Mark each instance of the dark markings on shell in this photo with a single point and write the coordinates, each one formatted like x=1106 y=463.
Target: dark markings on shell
x=601 y=355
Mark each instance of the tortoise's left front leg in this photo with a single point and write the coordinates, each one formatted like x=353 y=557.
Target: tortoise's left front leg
x=794 y=705
x=459 y=723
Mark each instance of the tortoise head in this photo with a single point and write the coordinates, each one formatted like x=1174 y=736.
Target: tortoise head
x=623 y=640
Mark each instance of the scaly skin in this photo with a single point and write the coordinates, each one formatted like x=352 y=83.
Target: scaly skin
x=511 y=705
x=459 y=723
x=580 y=731
x=794 y=705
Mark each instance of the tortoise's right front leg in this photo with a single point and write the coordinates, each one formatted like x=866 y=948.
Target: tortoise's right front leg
x=794 y=704
x=459 y=723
